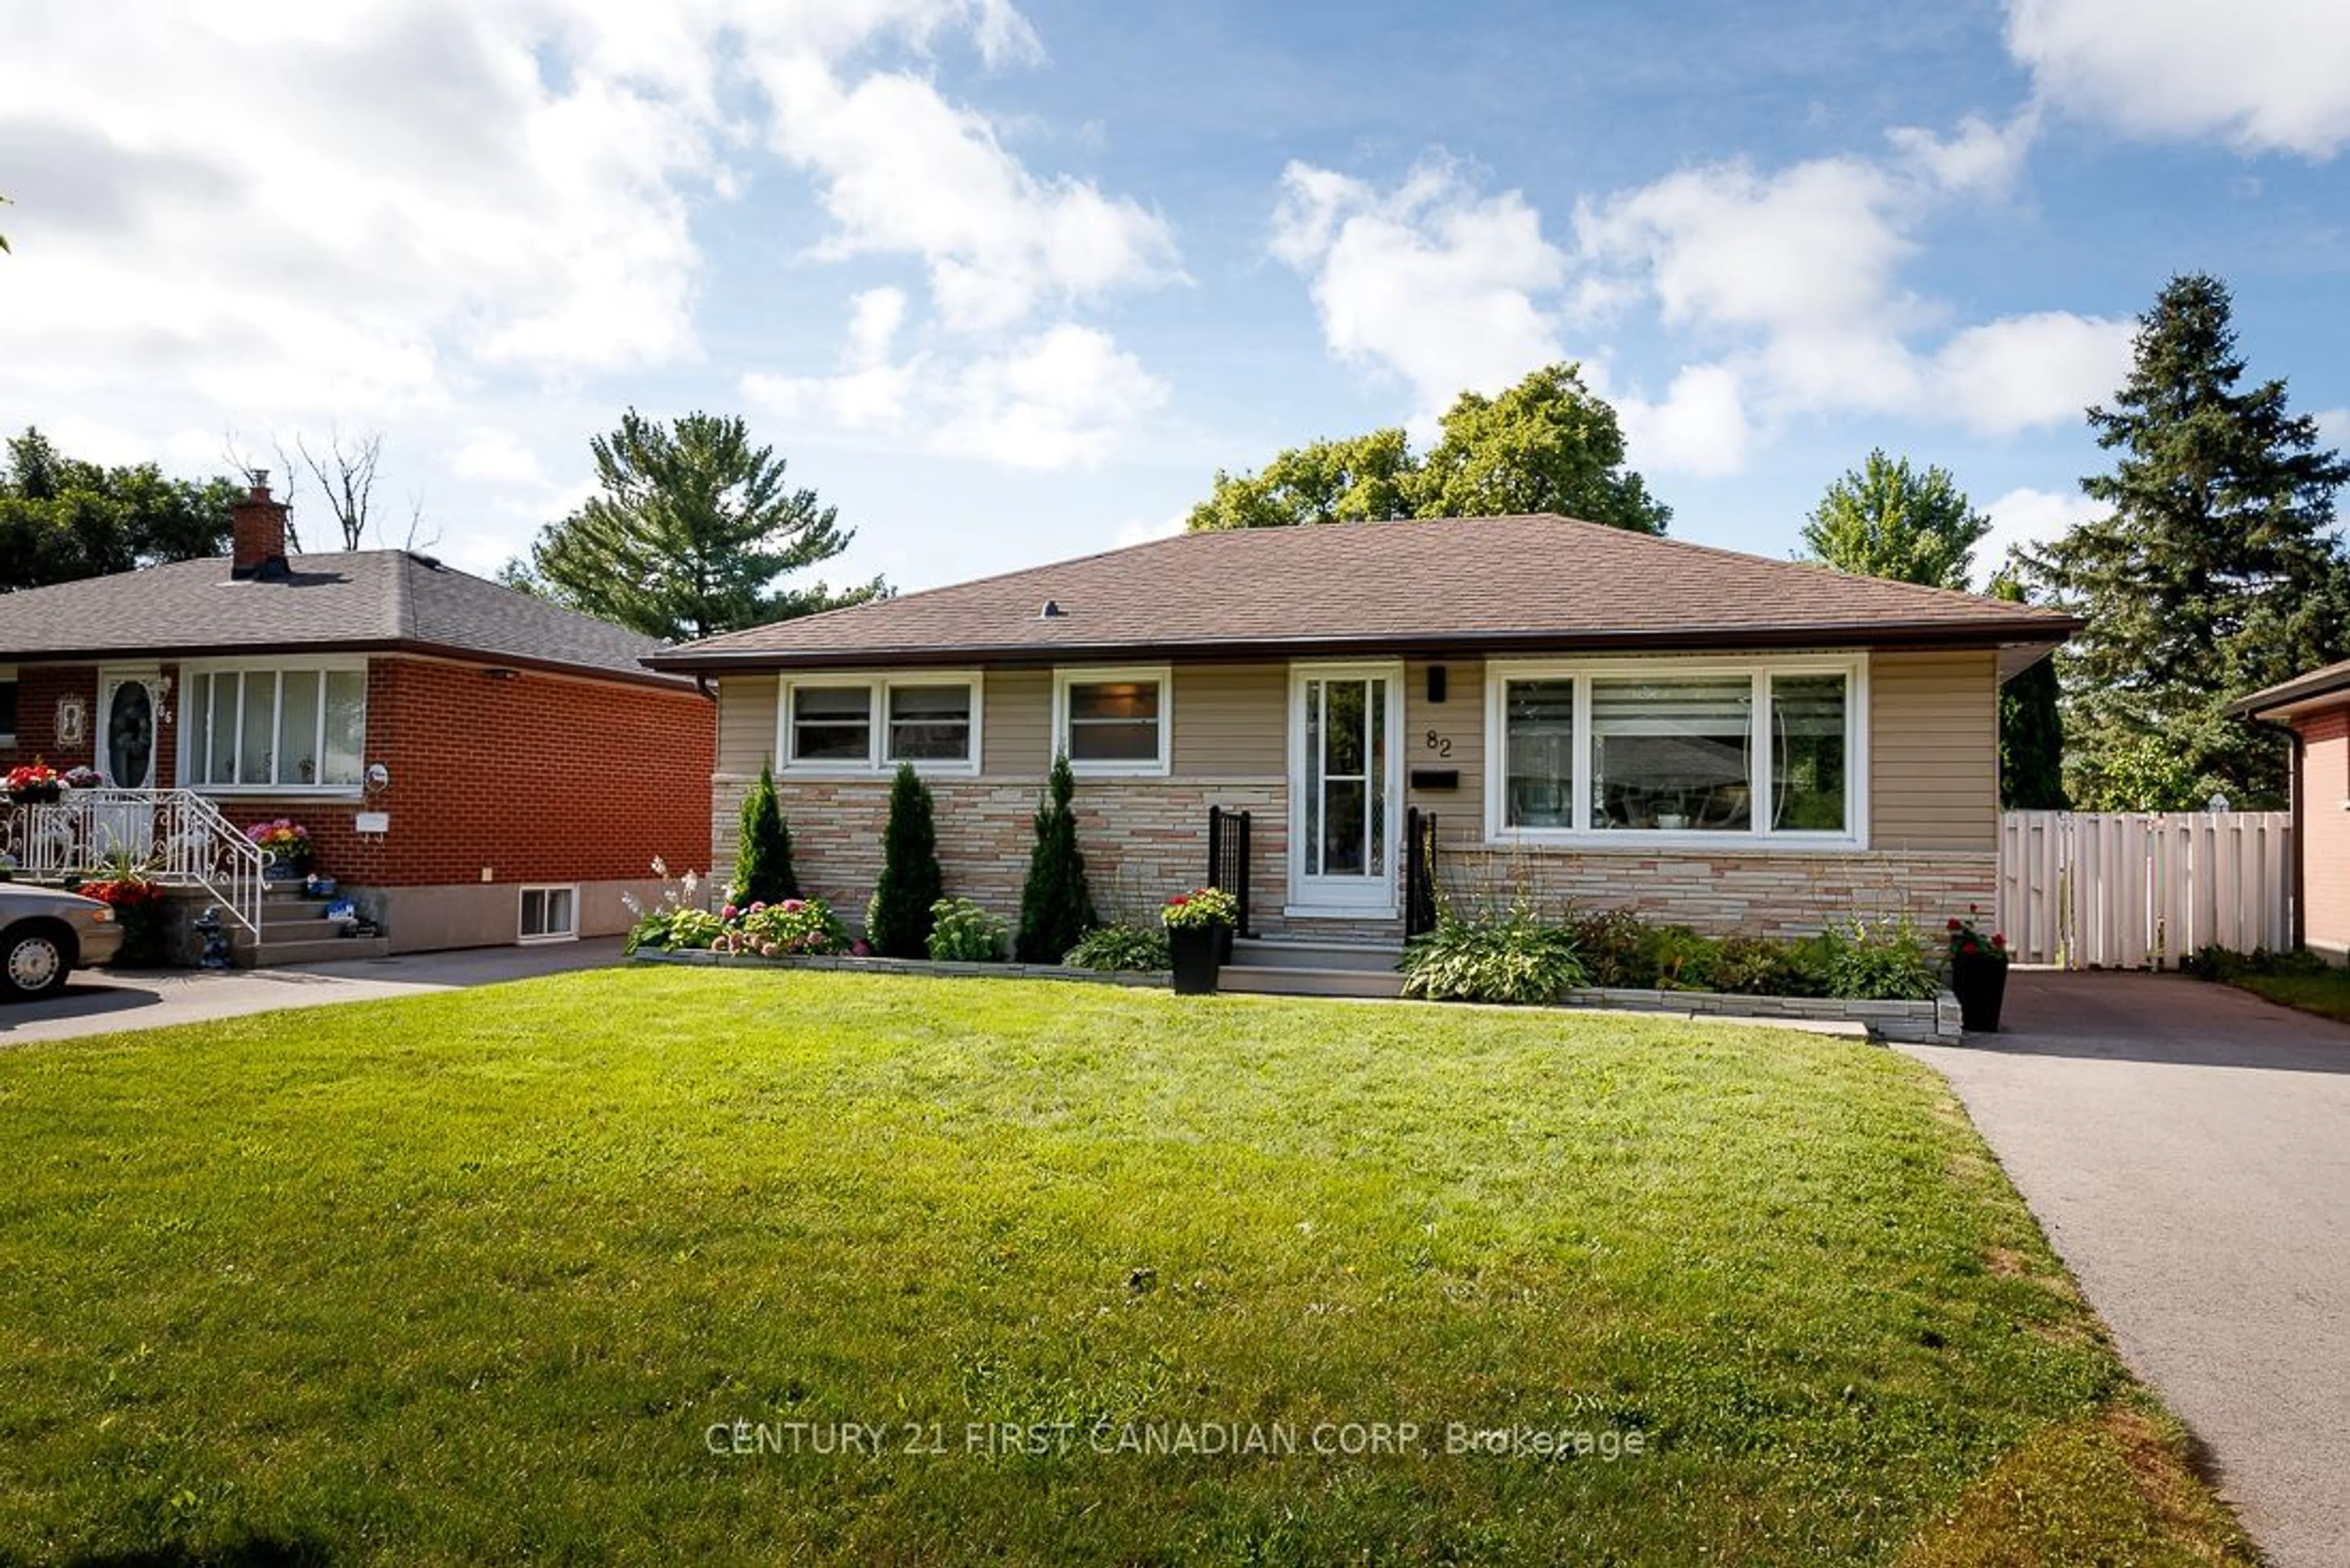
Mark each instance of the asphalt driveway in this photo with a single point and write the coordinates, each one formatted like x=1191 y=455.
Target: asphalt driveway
x=2187 y=1148
x=97 y=1002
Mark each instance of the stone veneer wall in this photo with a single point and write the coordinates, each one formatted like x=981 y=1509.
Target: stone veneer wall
x=1763 y=894
x=1145 y=838
x=1142 y=838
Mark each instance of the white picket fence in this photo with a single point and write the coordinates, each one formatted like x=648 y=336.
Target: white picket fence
x=2131 y=890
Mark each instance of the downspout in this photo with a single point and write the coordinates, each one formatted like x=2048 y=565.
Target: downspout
x=2296 y=803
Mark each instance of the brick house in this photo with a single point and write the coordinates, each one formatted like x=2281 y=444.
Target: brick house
x=2315 y=709
x=476 y=766
x=1557 y=707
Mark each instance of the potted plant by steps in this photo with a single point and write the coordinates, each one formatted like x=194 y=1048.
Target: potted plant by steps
x=1199 y=926
x=287 y=845
x=1977 y=973
x=34 y=784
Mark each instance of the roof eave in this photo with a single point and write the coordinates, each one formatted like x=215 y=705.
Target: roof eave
x=662 y=679
x=2037 y=632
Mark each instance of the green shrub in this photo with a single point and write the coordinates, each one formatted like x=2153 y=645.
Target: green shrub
x=1885 y=963
x=1514 y=958
x=962 y=932
x=1681 y=958
x=2227 y=964
x=1614 y=947
x=1056 y=907
x=794 y=925
x=1757 y=966
x=762 y=856
x=1121 y=947
x=691 y=929
x=898 y=920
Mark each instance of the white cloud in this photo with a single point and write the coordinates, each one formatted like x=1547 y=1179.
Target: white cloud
x=1067 y=397
x=1979 y=159
x=905 y=172
x=2264 y=75
x=1432 y=281
x=2333 y=427
x=2027 y=370
x=1143 y=530
x=1701 y=428
x=2031 y=518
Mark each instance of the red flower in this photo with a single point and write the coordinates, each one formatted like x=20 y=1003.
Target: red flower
x=1997 y=941
x=1954 y=925
x=1969 y=947
x=1180 y=899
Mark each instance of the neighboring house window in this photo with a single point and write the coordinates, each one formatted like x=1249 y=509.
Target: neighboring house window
x=1114 y=720
x=550 y=914
x=7 y=706
x=288 y=728
x=1627 y=751
x=866 y=724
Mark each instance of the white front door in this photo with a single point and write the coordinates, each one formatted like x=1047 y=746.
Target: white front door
x=1346 y=787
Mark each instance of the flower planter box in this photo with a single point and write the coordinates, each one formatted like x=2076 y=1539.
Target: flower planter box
x=1197 y=953
x=701 y=958
x=1980 y=981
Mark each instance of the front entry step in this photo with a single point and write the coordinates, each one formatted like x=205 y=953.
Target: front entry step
x=1274 y=967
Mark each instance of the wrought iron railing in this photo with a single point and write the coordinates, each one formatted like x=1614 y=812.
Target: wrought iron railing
x=174 y=836
x=1419 y=872
x=1228 y=860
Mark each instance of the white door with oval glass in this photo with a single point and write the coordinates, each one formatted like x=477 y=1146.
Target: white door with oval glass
x=1346 y=788
x=130 y=702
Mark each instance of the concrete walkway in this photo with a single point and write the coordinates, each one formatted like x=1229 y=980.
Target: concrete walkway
x=2187 y=1148
x=99 y=1001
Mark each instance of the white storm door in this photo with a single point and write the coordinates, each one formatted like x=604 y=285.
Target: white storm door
x=1346 y=787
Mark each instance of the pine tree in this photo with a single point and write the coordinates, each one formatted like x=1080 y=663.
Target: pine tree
x=763 y=860
x=1887 y=520
x=897 y=921
x=690 y=535
x=2215 y=573
x=2031 y=729
x=1056 y=909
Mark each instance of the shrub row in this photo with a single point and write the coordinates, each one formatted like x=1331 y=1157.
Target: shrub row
x=1515 y=957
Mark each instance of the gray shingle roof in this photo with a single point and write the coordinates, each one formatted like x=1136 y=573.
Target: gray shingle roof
x=358 y=599
x=1439 y=584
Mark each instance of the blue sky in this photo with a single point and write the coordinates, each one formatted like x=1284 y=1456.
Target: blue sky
x=1007 y=285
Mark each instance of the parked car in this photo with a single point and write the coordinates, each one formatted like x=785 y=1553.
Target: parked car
x=47 y=934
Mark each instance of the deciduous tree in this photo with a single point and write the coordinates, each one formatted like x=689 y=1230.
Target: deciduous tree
x=62 y=519
x=1887 y=519
x=1547 y=444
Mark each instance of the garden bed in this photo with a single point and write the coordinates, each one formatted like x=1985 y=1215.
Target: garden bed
x=704 y=958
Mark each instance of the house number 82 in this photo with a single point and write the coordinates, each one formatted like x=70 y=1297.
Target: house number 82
x=1440 y=744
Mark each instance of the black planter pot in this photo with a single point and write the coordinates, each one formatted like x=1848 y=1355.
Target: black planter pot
x=37 y=794
x=1197 y=952
x=1980 y=983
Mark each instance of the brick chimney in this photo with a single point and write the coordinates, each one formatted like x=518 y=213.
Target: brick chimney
x=257 y=531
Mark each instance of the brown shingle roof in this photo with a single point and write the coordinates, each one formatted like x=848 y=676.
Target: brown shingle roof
x=1450 y=584
x=2324 y=681
x=354 y=600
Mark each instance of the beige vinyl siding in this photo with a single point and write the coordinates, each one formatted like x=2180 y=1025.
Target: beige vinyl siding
x=1459 y=719
x=1231 y=721
x=747 y=723
x=1017 y=738
x=1934 y=751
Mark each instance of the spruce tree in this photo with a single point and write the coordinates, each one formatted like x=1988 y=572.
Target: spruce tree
x=1056 y=909
x=763 y=858
x=2214 y=573
x=897 y=921
x=2031 y=730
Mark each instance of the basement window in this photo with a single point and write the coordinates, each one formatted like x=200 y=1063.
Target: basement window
x=550 y=914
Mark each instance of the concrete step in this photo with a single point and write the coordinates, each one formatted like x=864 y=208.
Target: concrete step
x=322 y=949
x=1288 y=979
x=1294 y=952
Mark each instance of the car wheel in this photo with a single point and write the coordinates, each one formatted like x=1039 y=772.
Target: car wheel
x=34 y=961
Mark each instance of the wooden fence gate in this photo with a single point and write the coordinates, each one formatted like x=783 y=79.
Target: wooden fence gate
x=2140 y=890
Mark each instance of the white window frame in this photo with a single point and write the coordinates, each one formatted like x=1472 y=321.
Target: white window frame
x=9 y=678
x=191 y=767
x=1064 y=676
x=521 y=903
x=877 y=689
x=1760 y=669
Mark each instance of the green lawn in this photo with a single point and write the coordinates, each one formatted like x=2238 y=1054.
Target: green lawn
x=474 y=1278
x=2327 y=994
